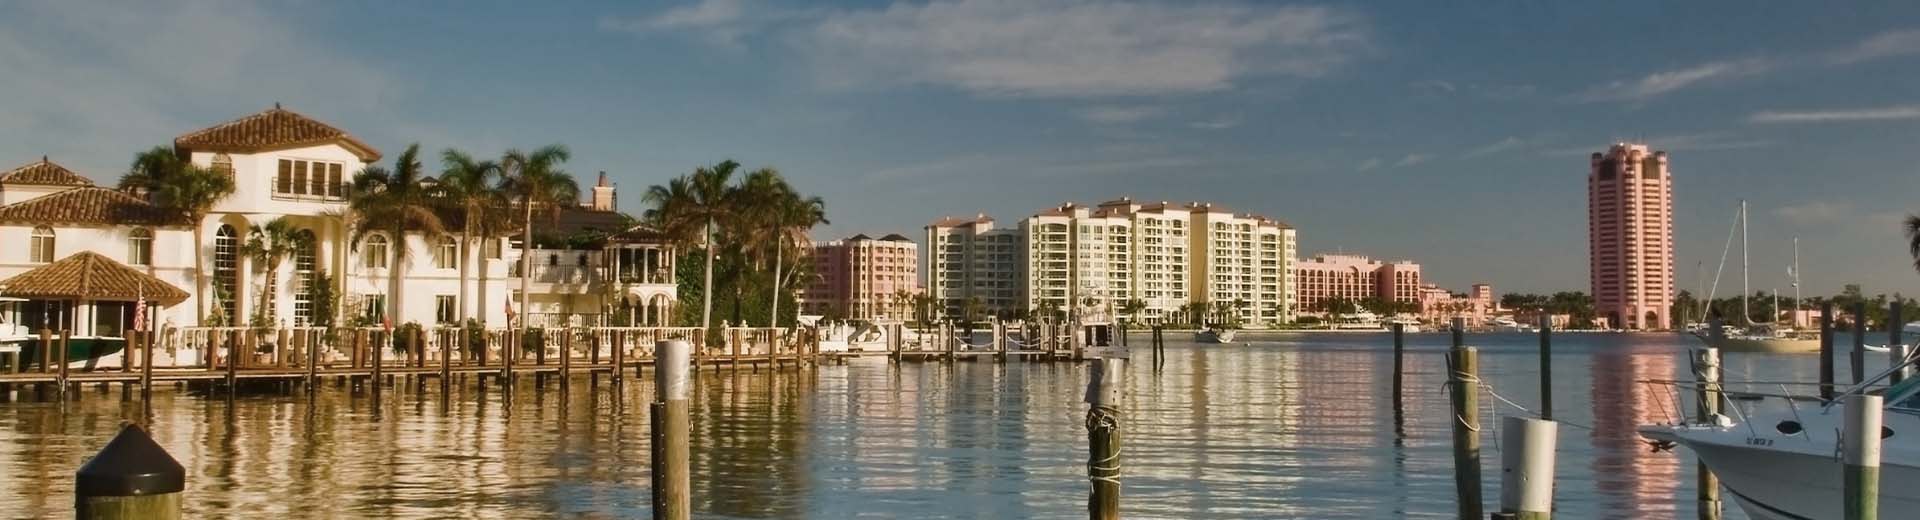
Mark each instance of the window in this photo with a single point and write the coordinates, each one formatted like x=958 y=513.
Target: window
x=492 y=247
x=304 y=261
x=443 y=309
x=447 y=254
x=376 y=253
x=111 y=319
x=223 y=163
x=309 y=179
x=226 y=270
x=140 y=247
x=375 y=307
x=42 y=247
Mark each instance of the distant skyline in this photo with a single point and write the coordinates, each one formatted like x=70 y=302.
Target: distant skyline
x=1455 y=135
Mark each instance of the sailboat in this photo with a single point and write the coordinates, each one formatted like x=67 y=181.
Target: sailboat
x=1757 y=337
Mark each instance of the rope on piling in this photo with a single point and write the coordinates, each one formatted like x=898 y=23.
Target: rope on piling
x=1536 y=414
x=1102 y=420
x=1459 y=376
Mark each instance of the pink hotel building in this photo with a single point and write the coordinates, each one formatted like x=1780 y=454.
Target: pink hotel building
x=863 y=278
x=1630 y=237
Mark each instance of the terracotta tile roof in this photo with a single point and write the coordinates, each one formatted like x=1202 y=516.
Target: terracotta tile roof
x=89 y=205
x=88 y=276
x=274 y=129
x=44 y=172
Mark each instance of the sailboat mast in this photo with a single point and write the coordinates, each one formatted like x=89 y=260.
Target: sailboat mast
x=1796 y=282
x=1745 y=314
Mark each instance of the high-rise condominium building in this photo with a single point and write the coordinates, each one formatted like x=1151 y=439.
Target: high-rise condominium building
x=1121 y=251
x=1630 y=236
x=864 y=278
x=968 y=259
x=1353 y=278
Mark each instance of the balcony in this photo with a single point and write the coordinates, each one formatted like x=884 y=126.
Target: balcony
x=585 y=274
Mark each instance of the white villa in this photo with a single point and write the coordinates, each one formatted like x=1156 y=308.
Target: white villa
x=287 y=165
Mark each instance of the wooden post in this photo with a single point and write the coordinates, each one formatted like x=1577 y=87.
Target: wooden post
x=1526 y=467
x=619 y=358
x=1706 y=372
x=1862 y=446
x=733 y=345
x=1464 y=385
x=1399 y=357
x=1459 y=331
x=1105 y=382
x=566 y=356
x=671 y=482
x=1826 y=351
x=1858 y=360
x=66 y=337
x=1896 y=350
x=510 y=354
x=313 y=357
x=280 y=350
x=416 y=349
x=46 y=351
x=146 y=366
x=446 y=355
x=1546 y=367
x=132 y=477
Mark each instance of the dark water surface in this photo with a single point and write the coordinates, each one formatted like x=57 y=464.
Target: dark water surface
x=1290 y=426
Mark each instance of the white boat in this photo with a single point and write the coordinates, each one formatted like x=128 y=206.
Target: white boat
x=1363 y=320
x=1783 y=464
x=855 y=336
x=1912 y=327
x=1757 y=337
x=1506 y=324
x=1407 y=325
x=1214 y=335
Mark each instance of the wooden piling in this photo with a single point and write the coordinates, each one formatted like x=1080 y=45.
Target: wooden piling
x=146 y=366
x=1859 y=358
x=66 y=338
x=1459 y=330
x=1399 y=359
x=672 y=483
x=1706 y=373
x=1896 y=350
x=1105 y=382
x=1826 y=351
x=1546 y=366
x=132 y=477
x=1862 y=457
x=1464 y=386
x=1526 y=467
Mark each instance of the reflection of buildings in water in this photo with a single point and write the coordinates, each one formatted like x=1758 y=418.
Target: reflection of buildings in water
x=1628 y=476
x=748 y=455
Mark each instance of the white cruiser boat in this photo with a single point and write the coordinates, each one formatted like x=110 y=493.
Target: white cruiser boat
x=1784 y=464
x=1214 y=335
x=1506 y=324
x=1407 y=325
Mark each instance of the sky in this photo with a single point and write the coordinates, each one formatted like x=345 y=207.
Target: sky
x=1455 y=134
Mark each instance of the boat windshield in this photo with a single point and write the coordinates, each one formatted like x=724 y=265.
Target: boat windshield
x=1905 y=394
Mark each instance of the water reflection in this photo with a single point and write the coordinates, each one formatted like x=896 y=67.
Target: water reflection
x=1295 y=426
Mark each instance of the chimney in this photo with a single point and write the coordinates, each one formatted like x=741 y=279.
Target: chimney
x=603 y=199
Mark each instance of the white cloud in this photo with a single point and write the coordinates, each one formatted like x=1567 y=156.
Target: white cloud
x=1412 y=159
x=1672 y=143
x=1813 y=213
x=1369 y=164
x=1659 y=83
x=1503 y=145
x=1063 y=48
x=1218 y=123
x=1434 y=85
x=1826 y=116
x=723 y=23
x=1884 y=45
x=1118 y=114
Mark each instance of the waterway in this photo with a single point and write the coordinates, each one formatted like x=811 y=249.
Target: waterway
x=1285 y=426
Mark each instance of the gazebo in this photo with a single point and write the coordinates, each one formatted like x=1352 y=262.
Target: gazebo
x=87 y=294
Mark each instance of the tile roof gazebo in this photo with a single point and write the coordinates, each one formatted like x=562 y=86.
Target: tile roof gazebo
x=89 y=276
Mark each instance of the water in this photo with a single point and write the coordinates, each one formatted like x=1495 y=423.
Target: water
x=1290 y=426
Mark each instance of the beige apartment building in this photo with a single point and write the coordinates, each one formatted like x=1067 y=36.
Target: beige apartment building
x=968 y=258
x=1121 y=250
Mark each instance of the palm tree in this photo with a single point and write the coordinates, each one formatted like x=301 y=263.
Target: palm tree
x=781 y=218
x=689 y=207
x=1913 y=239
x=268 y=245
x=904 y=301
x=394 y=201
x=176 y=184
x=536 y=180
x=467 y=185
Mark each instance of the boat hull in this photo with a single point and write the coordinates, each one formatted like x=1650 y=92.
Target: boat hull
x=79 y=350
x=1776 y=475
x=1215 y=337
x=1773 y=345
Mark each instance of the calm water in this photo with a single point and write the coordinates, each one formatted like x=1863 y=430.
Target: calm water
x=1292 y=426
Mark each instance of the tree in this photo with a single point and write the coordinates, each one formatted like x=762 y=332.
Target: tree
x=268 y=245
x=973 y=311
x=687 y=208
x=777 y=218
x=177 y=185
x=468 y=187
x=1132 y=308
x=535 y=179
x=393 y=201
x=1912 y=226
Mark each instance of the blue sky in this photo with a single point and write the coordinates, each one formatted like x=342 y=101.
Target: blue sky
x=1451 y=133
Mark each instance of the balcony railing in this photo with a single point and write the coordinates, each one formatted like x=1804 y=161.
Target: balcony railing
x=581 y=274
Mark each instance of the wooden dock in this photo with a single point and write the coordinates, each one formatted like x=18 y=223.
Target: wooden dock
x=1046 y=341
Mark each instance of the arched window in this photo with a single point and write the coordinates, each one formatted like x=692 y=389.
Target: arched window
x=446 y=254
x=304 y=263
x=140 y=247
x=226 y=270
x=42 y=248
x=376 y=252
x=223 y=163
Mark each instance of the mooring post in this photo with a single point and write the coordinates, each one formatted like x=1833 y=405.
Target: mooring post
x=1105 y=382
x=379 y=346
x=619 y=355
x=146 y=366
x=1463 y=383
x=132 y=477
x=1859 y=358
x=1862 y=446
x=671 y=481
x=1896 y=350
x=1546 y=366
x=1826 y=351
x=66 y=336
x=1706 y=374
x=1459 y=330
x=1399 y=358
x=1526 y=468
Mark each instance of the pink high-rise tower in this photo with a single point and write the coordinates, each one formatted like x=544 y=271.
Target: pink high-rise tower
x=1630 y=237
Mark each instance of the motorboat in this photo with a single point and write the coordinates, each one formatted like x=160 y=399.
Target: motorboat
x=1507 y=324
x=853 y=336
x=1216 y=335
x=1363 y=320
x=1912 y=327
x=1782 y=463
x=1407 y=324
